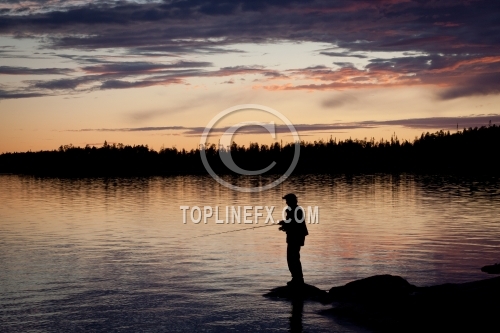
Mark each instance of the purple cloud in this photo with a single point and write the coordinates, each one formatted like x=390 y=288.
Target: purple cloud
x=431 y=123
x=7 y=70
x=457 y=46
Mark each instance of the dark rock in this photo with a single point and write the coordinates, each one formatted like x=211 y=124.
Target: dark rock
x=389 y=303
x=304 y=292
x=372 y=289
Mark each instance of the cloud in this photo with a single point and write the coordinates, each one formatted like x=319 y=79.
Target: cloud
x=140 y=67
x=484 y=84
x=135 y=129
x=456 y=75
x=450 y=47
x=364 y=25
x=445 y=123
x=118 y=84
x=345 y=77
x=146 y=115
x=127 y=75
x=344 y=64
x=18 y=94
x=6 y=70
x=200 y=101
x=431 y=123
x=451 y=72
x=63 y=84
x=339 y=101
x=343 y=54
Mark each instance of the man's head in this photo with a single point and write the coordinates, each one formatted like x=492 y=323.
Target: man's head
x=291 y=199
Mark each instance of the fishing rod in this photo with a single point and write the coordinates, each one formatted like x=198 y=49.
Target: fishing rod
x=225 y=232
x=260 y=226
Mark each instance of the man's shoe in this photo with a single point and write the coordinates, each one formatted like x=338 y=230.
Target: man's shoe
x=295 y=282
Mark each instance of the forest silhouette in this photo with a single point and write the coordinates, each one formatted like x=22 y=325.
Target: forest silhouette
x=471 y=151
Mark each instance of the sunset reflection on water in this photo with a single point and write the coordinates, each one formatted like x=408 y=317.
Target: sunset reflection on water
x=114 y=255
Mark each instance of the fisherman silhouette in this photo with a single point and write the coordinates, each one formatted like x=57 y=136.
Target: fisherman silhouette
x=296 y=232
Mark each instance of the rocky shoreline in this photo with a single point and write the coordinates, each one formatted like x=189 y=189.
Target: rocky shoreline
x=386 y=303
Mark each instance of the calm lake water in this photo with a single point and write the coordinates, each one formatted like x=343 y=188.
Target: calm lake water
x=113 y=255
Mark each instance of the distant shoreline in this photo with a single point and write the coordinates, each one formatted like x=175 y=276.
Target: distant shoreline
x=473 y=151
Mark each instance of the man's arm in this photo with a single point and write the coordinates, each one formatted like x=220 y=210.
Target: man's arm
x=283 y=226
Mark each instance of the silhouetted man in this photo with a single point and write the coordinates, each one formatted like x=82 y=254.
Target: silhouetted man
x=296 y=232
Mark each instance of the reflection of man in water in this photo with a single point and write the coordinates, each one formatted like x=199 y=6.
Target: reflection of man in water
x=296 y=232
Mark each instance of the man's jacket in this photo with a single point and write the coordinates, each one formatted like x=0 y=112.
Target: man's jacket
x=296 y=231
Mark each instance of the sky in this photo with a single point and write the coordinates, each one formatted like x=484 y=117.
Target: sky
x=157 y=72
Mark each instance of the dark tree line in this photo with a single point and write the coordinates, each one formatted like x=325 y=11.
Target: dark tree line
x=471 y=151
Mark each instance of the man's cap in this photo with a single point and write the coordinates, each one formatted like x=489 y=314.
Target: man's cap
x=290 y=196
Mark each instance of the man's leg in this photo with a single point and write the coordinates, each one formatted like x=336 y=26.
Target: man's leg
x=293 y=260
